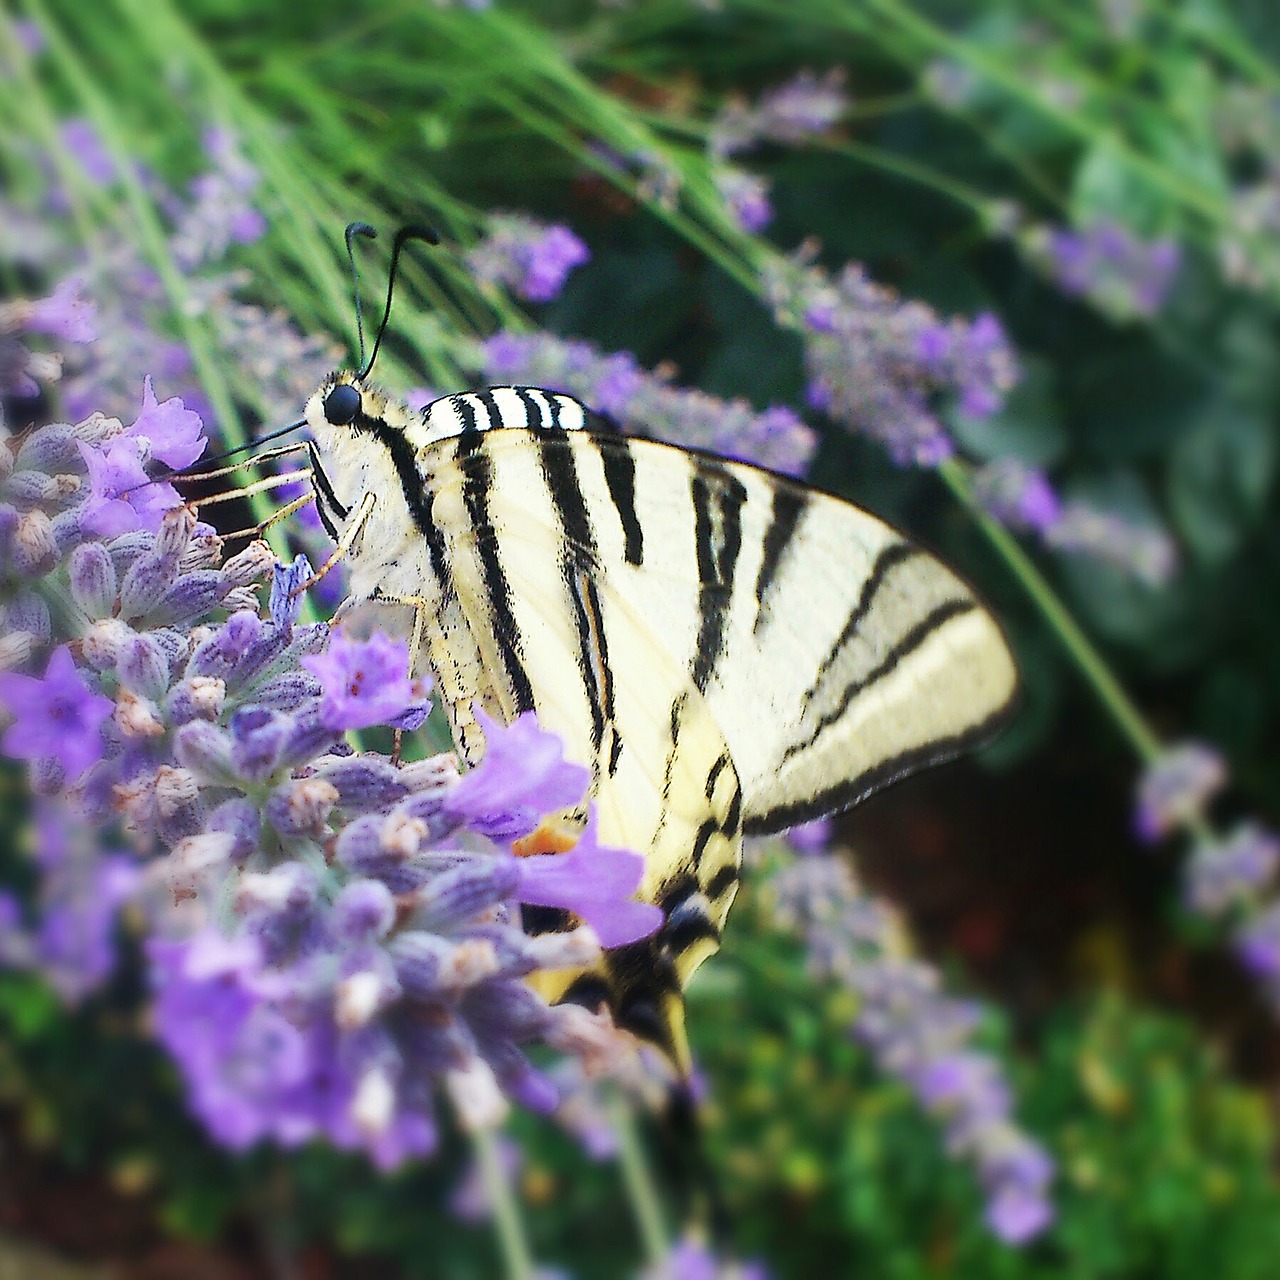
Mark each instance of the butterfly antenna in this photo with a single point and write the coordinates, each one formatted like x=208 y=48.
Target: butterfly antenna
x=403 y=236
x=357 y=229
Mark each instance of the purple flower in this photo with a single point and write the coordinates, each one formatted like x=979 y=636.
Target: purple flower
x=595 y=884
x=82 y=139
x=1231 y=872
x=747 y=197
x=790 y=113
x=174 y=434
x=122 y=497
x=523 y=776
x=1175 y=788
x=65 y=314
x=691 y=1260
x=1017 y=495
x=527 y=256
x=56 y=716
x=366 y=682
x=286 y=583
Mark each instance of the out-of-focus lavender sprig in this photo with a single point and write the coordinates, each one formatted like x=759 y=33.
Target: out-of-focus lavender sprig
x=329 y=946
x=1022 y=498
x=692 y=1259
x=531 y=258
x=886 y=368
x=918 y=1034
x=1174 y=789
x=1120 y=273
x=790 y=113
x=746 y=196
x=646 y=403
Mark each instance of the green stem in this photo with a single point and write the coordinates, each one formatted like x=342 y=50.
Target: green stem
x=639 y=1182
x=513 y=1243
x=1082 y=652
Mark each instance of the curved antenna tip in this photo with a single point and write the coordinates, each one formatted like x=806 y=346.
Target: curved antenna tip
x=359 y=229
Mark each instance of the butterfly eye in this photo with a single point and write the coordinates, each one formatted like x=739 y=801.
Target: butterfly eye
x=342 y=404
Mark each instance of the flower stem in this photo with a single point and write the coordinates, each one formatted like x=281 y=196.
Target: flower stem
x=513 y=1242
x=641 y=1190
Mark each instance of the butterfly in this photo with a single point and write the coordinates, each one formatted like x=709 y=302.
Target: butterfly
x=729 y=651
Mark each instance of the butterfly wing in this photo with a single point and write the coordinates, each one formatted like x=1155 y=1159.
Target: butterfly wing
x=725 y=648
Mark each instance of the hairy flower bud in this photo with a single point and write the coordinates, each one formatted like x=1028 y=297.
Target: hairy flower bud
x=30 y=489
x=34 y=549
x=299 y=807
x=28 y=612
x=250 y=566
x=238 y=818
x=149 y=577
x=191 y=596
x=104 y=642
x=16 y=648
x=93 y=579
x=206 y=751
x=365 y=784
x=137 y=717
x=201 y=698
x=143 y=667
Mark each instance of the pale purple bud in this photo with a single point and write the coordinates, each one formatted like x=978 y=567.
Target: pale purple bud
x=429 y=965
x=286 y=889
x=286 y=584
x=137 y=717
x=365 y=784
x=103 y=643
x=149 y=577
x=239 y=598
x=174 y=645
x=200 y=698
x=477 y=1099
x=176 y=528
x=203 y=552
x=52 y=449
x=310 y=736
x=28 y=612
x=238 y=818
x=178 y=805
x=362 y=995
x=34 y=548
x=47 y=777
x=249 y=566
x=16 y=649
x=6 y=460
x=364 y=911
x=143 y=667
x=192 y=596
x=30 y=489
x=93 y=579
x=259 y=738
x=287 y=692
x=206 y=751
x=301 y=806
x=467 y=890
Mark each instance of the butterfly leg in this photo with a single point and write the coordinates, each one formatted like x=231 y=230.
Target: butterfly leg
x=420 y=606
x=345 y=543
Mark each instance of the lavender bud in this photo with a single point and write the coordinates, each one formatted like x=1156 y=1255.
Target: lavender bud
x=310 y=736
x=467 y=890
x=428 y=965
x=365 y=784
x=93 y=579
x=361 y=996
x=146 y=581
x=287 y=889
x=188 y=598
x=30 y=489
x=476 y=1097
x=50 y=449
x=434 y=775
x=373 y=1107
x=34 y=549
x=301 y=806
x=47 y=777
x=200 y=698
x=287 y=692
x=364 y=911
x=143 y=667
x=175 y=646
x=137 y=717
x=201 y=553
x=286 y=583
x=177 y=804
x=16 y=648
x=8 y=527
x=176 y=528
x=238 y=598
x=258 y=741
x=206 y=751
x=103 y=643
x=6 y=461
x=28 y=612
x=126 y=549
x=239 y=819
x=249 y=566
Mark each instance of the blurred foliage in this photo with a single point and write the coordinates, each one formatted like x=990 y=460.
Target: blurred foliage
x=1120 y=109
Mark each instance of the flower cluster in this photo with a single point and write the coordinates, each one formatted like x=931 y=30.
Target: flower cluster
x=646 y=403
x=1120 y=273
x=746 y=196
x=886 y=368
x=332 y=938
x=691 y=1259
x=528 y=257
x=790 y=113
x=1175 y=788
x=918 y=1034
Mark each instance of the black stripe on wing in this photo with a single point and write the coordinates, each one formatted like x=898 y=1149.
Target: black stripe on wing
x=718 y=497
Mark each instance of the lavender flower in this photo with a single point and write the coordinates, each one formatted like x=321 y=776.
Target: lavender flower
x=220 y=212
x=327 y=951
x=56 y=717
x=528 y=257
x=1143 y=551
x=1174 y=790
x=1017 y=495
x=890 y=369
x=366 y=682
x=1106 y=263
x=646 y=403
x=690 y=1259
x=1231 y=873
x=919 y=1035
x=746 y=195
x=790 y=113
